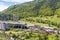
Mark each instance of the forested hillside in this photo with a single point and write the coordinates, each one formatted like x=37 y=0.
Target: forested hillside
x=44 y=11
x=34 y=8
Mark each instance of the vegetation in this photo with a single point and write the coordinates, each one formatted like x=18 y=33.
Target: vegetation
x=31 y=35
x=37 y=11
x=44 y=9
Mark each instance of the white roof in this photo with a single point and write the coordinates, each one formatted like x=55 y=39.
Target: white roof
x=12 y=22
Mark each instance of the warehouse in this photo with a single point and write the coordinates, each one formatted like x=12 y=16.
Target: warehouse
x=7 y=25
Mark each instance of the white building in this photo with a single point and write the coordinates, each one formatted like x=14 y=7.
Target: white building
x=3 y=26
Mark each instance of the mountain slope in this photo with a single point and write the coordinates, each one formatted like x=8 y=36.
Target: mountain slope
x=35 y=7
x=48 y=10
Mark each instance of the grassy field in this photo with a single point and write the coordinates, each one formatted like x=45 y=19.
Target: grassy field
x=1 y=38
x=31 y=35
x=49 y=21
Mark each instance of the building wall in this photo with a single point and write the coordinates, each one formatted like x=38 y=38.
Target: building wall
x=0 y=25
x=3 y=26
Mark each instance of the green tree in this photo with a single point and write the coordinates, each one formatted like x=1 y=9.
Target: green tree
x=47 y=11
x=57 y=12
